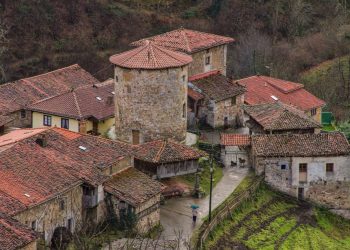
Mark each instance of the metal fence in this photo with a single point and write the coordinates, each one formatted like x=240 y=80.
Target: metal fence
x=222 y=213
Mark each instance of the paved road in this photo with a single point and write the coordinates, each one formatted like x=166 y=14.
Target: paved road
x=176 y=215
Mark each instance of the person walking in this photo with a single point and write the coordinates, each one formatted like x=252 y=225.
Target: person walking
x=194 y=215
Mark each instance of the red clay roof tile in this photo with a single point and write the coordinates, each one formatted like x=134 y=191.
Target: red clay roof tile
x=235 y=140
x=263 y=89
x=185 y=40
x=150 y=56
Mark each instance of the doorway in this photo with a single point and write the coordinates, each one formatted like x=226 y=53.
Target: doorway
x=301 y=193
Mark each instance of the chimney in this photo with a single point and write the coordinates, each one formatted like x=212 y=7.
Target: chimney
x=42 y=141
x=110 y=100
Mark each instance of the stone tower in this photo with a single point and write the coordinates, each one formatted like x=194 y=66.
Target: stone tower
x=150 y=93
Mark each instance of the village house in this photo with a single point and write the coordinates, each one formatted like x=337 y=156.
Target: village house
x=209 y=51
x=166 y=158
x=54 y=178
x=310 y=166
x=215 y=100
x=87 y=109
x=151 y=94
x=16 y=96
x=278 y=118
x=234 y=150
x=14 y=235
x=264 y=89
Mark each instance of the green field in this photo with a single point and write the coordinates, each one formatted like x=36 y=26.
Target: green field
x=271 y=221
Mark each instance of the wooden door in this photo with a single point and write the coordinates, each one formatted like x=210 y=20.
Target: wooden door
x=135 y=137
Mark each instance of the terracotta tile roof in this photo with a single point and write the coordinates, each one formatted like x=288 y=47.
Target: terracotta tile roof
x=235 y=140
x=31 y=174
x=19 y=94
x=217 y=86
x=279 y=116
x=83 y=103
x=300 y=145
x=17 y=135
x=263 y=89
x=185 y=40
x=194 y=94
x=4 y=119
x=150 y=56
x=133 y=186
x=163 y=151
x=14 y=235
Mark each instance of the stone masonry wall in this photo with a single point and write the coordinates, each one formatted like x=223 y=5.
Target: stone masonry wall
x=223 y=110
x=218 y=59
x=48 y=215
x=153 y=102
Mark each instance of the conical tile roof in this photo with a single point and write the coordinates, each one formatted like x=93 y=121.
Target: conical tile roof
x=150 y=56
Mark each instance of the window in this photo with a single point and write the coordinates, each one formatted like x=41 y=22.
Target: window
x=329 y=167
x=65 y=123
x=70 y=224
x=313 y=112
x=33 y=225
x=207 y=60
x=62 y=203
x=283 y=167
x=302 y=167
x=234 y=100
x=47 y=120
x=184 y=78
x=228 y=103
x=184 y=110
x=23 y=114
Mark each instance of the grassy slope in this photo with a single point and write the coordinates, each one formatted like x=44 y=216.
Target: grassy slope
x=269 y=221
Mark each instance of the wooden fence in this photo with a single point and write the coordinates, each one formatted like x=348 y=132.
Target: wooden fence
x=222 y=212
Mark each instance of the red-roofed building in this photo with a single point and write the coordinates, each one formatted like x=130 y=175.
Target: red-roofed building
x=234 y=149
x=263 y=89
x=16 y=96
x=207 y=50
x=52 y=178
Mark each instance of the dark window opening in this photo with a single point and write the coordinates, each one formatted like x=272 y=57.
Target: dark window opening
x=70 y=225
x=65 y=123
x=329 y=167
x=23 y=114
x=234 y=100
x=283 y=167
x=313 y=112
x=47 y=120
x=184 y=110
x=62 y=205
x=33 y=225
x=207 y=60
x=302 y=168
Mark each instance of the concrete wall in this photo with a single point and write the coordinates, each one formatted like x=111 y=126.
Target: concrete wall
x=153 y=102
x=48 y=215
x=218 y=59
x=38 y=122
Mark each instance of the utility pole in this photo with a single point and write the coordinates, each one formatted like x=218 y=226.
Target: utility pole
x=211 y=178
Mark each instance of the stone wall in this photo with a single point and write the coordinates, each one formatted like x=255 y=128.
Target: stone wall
x=151 y=102
x=218 y=59
x=49 y=216
x=18 y=121
x=151 y=211
x=31 y=246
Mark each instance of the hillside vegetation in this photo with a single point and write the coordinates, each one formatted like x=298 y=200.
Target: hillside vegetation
x=278 y=37
x=271 y=221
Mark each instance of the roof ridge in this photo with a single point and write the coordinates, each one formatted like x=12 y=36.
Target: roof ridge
x=166 y=51
x=50 y=72
x=77 y=104
x=161 y=150
x=182 y=31
x=33 y=86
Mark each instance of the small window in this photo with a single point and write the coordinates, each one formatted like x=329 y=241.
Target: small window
x=62 y=205
x=33 y=225
x=47 y=120
x=313 y=112
x=70 y=224
x=184 y=78
x=302 y=167
x=234 y=100
x=283 y=167
x=65 y=123
x=23 y=114
x=329 y=167
x=207 y=60
x=184 y=110
x=116 y=78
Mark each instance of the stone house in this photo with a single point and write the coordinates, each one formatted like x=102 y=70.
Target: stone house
x=129 y=196
x=209 y=51
x=278 y=118
x=52 y=178
x=16 y=96
x=166 y=158
x=310 y=166
x=14 y=235
x=264 y=89
x=220 y=102
x=234 y=150
x=4 y=122
x=151 y=94
x=87 y=109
